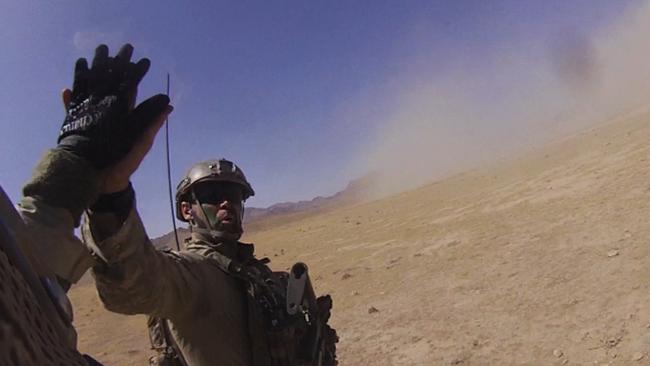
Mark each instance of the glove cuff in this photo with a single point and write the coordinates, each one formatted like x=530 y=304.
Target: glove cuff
x=63 y=179
x=119 y=203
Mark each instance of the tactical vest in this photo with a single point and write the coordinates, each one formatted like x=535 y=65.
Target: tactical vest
x=284 y=331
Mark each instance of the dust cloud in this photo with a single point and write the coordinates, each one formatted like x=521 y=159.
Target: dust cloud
x=518 y=99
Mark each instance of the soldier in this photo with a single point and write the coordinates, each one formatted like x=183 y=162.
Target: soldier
x=203 y=310
x=213 y=303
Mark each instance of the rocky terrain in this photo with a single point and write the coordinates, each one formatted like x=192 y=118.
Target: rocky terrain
x=538 y=260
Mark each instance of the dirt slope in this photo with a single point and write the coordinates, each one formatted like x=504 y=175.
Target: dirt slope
x=538 y=261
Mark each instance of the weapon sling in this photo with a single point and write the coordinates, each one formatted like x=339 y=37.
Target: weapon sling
x=164 y=343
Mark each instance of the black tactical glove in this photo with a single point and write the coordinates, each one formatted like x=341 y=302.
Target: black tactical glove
x=101 y=124
x=100 y=127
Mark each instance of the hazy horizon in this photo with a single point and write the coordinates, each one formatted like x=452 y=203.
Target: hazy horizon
x=306 y=97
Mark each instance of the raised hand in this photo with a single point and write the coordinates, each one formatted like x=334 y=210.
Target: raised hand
x=102 y=123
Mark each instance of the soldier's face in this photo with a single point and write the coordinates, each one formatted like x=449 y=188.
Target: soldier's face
x=222 y=203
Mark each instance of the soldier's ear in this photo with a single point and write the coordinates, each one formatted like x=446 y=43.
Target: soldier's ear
x=186 y=210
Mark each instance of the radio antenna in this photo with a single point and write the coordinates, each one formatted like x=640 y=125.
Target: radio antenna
x=169 y=175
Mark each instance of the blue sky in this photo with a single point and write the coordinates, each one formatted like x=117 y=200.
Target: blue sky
x=292 y=91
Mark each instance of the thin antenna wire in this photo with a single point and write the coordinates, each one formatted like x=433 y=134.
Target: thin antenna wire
x=169 y=175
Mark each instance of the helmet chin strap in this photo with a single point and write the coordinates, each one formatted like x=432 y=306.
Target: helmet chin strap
x=213 y=223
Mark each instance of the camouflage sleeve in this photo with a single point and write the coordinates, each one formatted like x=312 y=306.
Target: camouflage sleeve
x=52 y=230
x=137 y=278
x=61 y=186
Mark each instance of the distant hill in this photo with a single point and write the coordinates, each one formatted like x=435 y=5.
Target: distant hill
x=354 y=192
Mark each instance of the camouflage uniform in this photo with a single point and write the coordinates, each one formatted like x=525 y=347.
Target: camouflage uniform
x=208 y=311
x=51 y=209
x=205 y=306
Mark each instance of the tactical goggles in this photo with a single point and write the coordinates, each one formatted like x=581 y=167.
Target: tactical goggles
x=217 y=192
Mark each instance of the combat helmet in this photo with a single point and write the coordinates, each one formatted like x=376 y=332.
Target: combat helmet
x=221 y=170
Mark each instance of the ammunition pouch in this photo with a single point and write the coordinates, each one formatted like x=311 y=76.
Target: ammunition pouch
x=294 y=329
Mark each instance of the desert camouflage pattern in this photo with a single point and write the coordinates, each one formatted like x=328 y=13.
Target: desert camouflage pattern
x=205 y=307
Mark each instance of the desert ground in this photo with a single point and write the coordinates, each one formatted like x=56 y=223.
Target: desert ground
x=539 y=259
